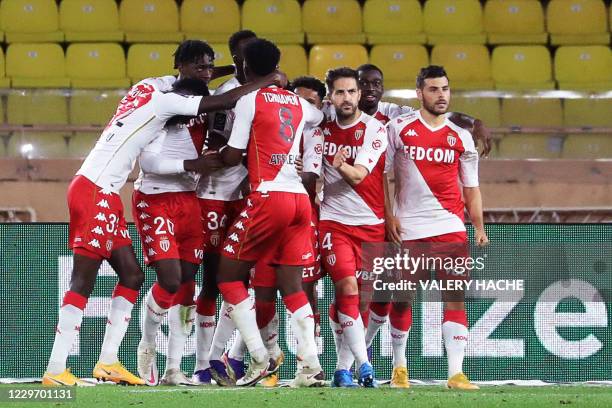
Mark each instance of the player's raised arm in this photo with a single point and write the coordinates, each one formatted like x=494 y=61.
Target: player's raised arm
x=232 y=153
x=229 y=99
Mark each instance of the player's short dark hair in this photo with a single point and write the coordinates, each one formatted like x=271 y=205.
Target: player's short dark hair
x=192 y=86
x=431 y=71
x=343 y=72
x=238 y=36
x=369 y=67
x=262 y=56
x=309 y=83
x=191 y=51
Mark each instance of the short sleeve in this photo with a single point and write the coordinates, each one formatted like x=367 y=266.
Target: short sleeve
x=392 y=147
x=172 y=104
x=313 y=150
x=374 y=145
x=468 y=161
x=241 y=131
x=312 y=116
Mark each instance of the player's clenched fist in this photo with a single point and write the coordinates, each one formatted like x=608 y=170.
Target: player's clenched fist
x=481 y=237
x=341 y=156
x=209 y=162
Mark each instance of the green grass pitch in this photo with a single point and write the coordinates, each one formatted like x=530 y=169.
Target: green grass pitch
x=418 y=396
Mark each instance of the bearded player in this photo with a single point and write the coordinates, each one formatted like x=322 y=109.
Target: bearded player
x=435 y=163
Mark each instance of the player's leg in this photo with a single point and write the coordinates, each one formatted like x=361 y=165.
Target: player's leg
x=455 y=335
x=180 y=321
x=123 y=261
x=400 y=319
x=84 y=272
x=378 y=316
x=206 y=306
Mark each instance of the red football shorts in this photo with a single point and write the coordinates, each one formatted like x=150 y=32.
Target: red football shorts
x=169 y=226
x=265 y=275
x=97 y=225
x=216 y=216
x=274 y=226
x=340 y=246
x=452 y=245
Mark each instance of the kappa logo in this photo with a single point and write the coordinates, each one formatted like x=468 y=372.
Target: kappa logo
x=144 y=216
x=105 y=191
x=146 y=227
x=451 y=139
x=331 y=259
x=94 y=243
x=412 y=133
x=358 y=134
x=142 y=204
x=148 y=239
x=98 y=230
x=109 y=245
x=249 y=203
x=100 y=217
x=229 y=248
x=164 y=244
x=214 y=240
x=152 y=252
x=239 y=225
x=103 y=203
x=326 y=132
x=234 y=237
x=244 y=214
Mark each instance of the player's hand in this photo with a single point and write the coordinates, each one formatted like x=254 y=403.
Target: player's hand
x=215 y=141
x=481 y=237
x=278 y=78
x=209 y=162
x=340 y=157
x=480 y=132
x=394 y=229
x=299 y=165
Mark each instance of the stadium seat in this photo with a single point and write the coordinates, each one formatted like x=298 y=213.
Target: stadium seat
x=324 y=57
x=588 y=112
x=150 y=21
x=515 y=22
x=400 y=63
x=36 y=66
x=522 y=67
x=97 y=65
x=531 y=112
x=332 y=22
x=577 y=22
x=4 y=81
x=528 y=146
x=277 y=20
x=453 y=22
x=37 y=107
x=468 y=66
x=589 y=146
x=486 y=109
x=150 y=60
x=30 y=21
x=90 y=107
x=212 y=21
x=293 y=60
x=38 y=145
x=223 y=56
x=587 y=68
x=81 y=143
x=90 y=20
x=393 y=22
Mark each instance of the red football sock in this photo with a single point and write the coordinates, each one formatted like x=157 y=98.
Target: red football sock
x=401 y=319
x=457 y=316
x=265 y=312
x=233 y=292
x=130 y=295
x=74 y=299
x=206 y=306
x=162 y=297
x=348 y=305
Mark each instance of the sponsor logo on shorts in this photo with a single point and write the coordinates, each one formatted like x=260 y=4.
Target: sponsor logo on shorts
x=94 y=243
x=214 y=240
x=331 y=259
x=109 y=245
x=103 y=203
x=164 y=244
x=98 y=230
x=306 y=256
x=229 y=248
x=142 y=204
x=198 y=253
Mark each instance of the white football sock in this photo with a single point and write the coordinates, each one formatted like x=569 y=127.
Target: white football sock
x=344 y=359
x=180 y=322
x=119 y=317
x=375 y=322
x=399 y=339
x=68 y=325
x=455 y=340
x=353 y=334
x=245 y=319
x=302 y=324
x=205 y=330
x=223 y=332
x=238 y=348
x=151 y=318
x=269 y=335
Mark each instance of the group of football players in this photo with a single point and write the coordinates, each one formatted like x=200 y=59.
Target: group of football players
x=229 y=181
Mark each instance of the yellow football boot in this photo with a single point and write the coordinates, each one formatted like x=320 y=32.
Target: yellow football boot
x=65 y=378
x=399 y=378
x=271 y=381
x=116 y=373
x=460 y=381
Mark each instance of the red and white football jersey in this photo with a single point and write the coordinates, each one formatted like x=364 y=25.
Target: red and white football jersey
x=386 y=111
x=312 y=150
x=363 y=204
x=269 y=125
x=428 y=164
x=140 y=118
x=224 y=184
